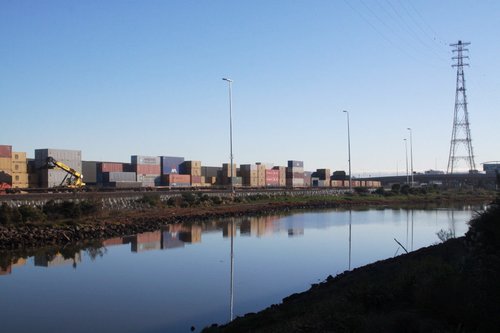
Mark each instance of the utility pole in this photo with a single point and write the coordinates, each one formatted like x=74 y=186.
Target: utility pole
x=460 y=134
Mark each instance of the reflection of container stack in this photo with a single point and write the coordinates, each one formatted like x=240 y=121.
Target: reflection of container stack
x=148 y=170
x=192 y=168
x=146 y=241
x=170 y=240
x=57 y=260
x=55 y=176
x=19 y=170
x=6 y=164
x=295 y=174
x=191 y=234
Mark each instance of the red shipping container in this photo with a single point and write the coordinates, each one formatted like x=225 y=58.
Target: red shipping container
x=147 y=169
x=272 y=176
x=175 y=178
x=5 y=151
x=110 y=167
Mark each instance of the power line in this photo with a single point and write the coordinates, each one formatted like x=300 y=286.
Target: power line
x=412 y=32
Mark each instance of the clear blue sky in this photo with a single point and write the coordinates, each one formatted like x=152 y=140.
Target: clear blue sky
x=116 y=78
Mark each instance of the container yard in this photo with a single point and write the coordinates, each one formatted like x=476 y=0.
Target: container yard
x=17 y=171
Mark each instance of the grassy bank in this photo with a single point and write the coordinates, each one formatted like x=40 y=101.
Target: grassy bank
x=450 y=287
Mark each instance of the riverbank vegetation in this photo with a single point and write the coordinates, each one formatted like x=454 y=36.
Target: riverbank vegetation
x=449 y=287
x=151 y=203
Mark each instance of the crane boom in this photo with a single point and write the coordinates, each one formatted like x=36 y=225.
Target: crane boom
x=75 y=179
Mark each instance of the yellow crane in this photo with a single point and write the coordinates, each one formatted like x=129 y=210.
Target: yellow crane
x=73 y=179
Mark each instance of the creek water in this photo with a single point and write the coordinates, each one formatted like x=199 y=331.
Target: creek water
x=193 y=275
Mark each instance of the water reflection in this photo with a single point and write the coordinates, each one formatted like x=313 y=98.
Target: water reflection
x=176 y=271
x=178 y=235
x=350 y=232
x=170 y=237
x=232 y=232
x=49 y=259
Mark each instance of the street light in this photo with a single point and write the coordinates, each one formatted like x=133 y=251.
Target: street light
x=229 y=81
x=349 y=149
x=406 y=149
x=411 y=155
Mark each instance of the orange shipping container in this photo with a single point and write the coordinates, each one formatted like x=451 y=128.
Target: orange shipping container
x=6 y=164
x=19 y=167
x=18 y=157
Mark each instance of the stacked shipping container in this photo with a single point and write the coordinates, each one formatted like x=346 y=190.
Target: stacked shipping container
x=282 y=175
x=170 y=164
x=308 y=178
x=210 y=174
x=19 y=170
x=295 y=174
x=272 y=178
x=55 y=177
x=225 y=176
x=176 y=180
x=6 y=164
x=89 y=171
x=192 y=168
x=261 y=174
x=248 y=174
x=148 y=169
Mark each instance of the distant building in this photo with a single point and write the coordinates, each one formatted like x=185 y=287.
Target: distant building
x=491 y=167
x=434 y=172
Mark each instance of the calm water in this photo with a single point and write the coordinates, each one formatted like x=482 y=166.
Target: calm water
x=178 y=277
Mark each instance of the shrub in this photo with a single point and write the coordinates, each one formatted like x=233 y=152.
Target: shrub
x=152 y=200
x=189 y=198
x=216 y=200
x=31 y=214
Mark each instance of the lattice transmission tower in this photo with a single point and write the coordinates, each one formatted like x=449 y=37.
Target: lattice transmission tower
x=460 y=135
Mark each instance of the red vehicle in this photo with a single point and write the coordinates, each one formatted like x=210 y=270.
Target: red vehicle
x=4 y=187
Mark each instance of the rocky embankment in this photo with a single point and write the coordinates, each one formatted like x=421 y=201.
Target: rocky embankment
x=450 y=287
x=108 y=223
x=32 y=235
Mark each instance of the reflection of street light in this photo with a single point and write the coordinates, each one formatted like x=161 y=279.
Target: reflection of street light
x=406 y=149
x=229 y=81
x=349 y=149
x=350 y=225
x=231 y=287
x=411 y=155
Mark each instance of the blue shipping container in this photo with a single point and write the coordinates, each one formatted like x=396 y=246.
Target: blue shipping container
x=170 y=164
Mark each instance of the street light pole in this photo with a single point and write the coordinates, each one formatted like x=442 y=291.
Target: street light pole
x=411 y=155
x=406 y=149
x=229 y=81
x=349 y=149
